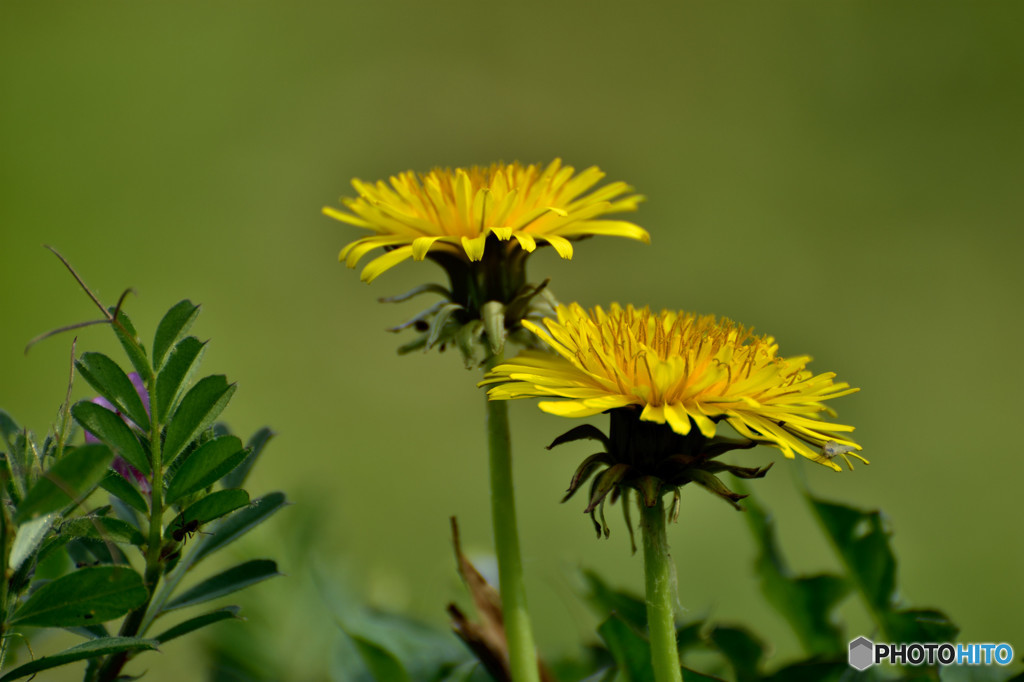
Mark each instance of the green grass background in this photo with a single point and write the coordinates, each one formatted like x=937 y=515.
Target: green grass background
x=845 y=176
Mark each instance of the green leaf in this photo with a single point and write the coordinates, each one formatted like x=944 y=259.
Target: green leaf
x=85 y=597
x=383 y=665
x=605 y=601
x=630 y=650
x=808 y=603
x=182 y=362
x=211 y=507
x=110 y=381
x=29 y=537
x=129 y=338
x=10 y=431
x=92 y=649
x=192 y=624
x=817 y=671
x=205 y=465
x=111 y=429
x=231 y=580
x=68 y=481
x=255 y=446
x=240 y=523
x=743 y=651
x=103 y=528
x=116 y=485
x=395 y=647
x=197 y=410
x=862 y=540
x=171 y=328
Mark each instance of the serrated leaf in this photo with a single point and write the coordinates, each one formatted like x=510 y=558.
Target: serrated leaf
x=862 y=540
x=255 y=446
x=205 y=465
x=808 y=603
x=211 y=507
x=67 y=481
x=382 y=664
x=133 y=348
x=92 y=649
x=28 y=539
x=396 y=647
x=172 y=327
x=110 y=381
x=116 y=485
x=85 y=597
x=181 y=363
x=197 y=410
x=193 y=624
x=111 y=429
x=231 y=580
x=240 y=523
x=741 y=649
x=632 y=653
x=605 y=600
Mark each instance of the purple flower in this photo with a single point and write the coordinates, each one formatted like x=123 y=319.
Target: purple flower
x=120 y=465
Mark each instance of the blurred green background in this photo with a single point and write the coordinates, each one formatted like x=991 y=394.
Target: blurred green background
x=844 y=176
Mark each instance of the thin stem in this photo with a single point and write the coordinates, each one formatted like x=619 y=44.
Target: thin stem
x=658 y=568
x=135 y=623
x=521 y=650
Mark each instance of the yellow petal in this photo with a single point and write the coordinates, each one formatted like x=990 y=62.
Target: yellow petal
x=562 y=245
x=421 y=245
x=379 y=264
x=474 y=247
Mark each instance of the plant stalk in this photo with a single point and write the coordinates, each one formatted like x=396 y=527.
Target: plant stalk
x=658 y=581
x=522 y=652
x=132 y=625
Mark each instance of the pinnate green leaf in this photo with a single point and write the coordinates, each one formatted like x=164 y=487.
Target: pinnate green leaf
x=92 y=649
x=67 y=481
x=85 y=597
x=259 y=440
x=174 y=324
x=111 y=429
x=205 y=465
x=211 y=507
x=231 y=580
x=193 y=624
x=238 y=524
x=133 y=348
x=116 y=485
x=200 y=406
x=110 y=381
x=181 y=363
x=29 y=537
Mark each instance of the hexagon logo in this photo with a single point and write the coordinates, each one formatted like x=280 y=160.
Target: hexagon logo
x=862 y=653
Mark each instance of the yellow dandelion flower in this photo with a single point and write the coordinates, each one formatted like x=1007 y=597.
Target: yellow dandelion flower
x=679 y=369
x=454 y=212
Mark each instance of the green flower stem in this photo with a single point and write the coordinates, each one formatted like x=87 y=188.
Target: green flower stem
x=658 y=568
x=522 y=653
